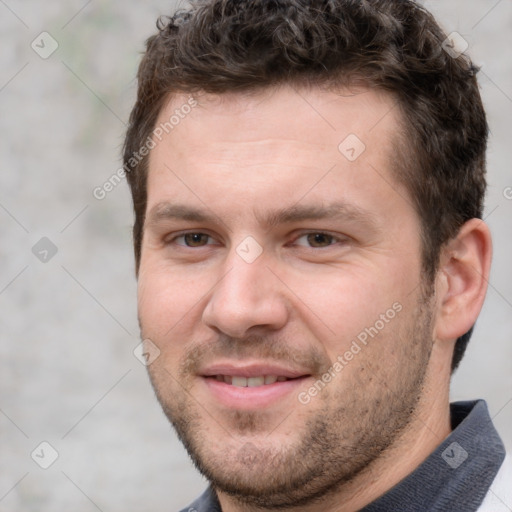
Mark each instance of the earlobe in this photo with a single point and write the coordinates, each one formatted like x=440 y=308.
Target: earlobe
x=462 y=279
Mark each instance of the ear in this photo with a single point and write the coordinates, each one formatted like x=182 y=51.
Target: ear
x=462 y=280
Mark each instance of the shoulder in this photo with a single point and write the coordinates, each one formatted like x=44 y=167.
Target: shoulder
x=499 y=496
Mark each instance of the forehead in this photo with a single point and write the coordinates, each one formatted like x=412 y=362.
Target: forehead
x=276 y=144
x=304 y=113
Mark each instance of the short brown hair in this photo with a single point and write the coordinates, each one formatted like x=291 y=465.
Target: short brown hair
x=220 y=46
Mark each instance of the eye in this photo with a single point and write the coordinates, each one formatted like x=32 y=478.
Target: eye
x=316 y=240
x=193 y=239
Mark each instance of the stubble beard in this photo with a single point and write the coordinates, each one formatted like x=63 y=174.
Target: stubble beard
x=356 y=424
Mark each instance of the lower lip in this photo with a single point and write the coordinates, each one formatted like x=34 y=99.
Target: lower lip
x=250 y=398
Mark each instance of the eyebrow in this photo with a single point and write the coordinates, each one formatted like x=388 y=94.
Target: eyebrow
x=333 y=211
x=168 y=211
x=165 y=211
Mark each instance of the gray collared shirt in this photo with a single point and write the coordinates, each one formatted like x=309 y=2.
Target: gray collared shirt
x=455 y=477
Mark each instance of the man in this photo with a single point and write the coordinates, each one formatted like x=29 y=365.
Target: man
x=308 y=182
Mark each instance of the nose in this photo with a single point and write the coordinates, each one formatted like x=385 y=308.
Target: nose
x=248 y=298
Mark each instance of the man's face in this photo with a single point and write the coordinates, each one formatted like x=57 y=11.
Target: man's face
x=280 y=280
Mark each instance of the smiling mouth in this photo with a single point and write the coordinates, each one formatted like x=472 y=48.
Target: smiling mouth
x=250 y=382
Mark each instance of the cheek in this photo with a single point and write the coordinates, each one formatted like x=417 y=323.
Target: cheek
x=342 y=304
x=165 y=317
x=166 y=300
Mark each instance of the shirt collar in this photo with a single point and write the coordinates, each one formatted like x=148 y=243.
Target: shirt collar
x=458 y=474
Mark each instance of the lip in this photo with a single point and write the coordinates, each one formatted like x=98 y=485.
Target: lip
x=251 y=398
x=252 y=370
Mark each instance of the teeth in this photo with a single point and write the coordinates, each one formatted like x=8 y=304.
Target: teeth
x=239 y=382
x=251 y=382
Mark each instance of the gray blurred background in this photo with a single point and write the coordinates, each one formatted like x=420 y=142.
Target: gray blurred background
x=68 y=328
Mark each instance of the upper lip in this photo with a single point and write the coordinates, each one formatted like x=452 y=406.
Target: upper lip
x=252 y=370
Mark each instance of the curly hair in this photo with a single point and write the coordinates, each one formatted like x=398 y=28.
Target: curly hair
x=219 y=46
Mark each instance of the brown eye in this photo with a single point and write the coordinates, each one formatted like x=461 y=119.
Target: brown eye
x=195 y=239
x=319 y=239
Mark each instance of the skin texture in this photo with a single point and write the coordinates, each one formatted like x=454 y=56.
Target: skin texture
x=340 y=247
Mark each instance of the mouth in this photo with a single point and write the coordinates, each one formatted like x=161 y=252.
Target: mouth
x=250 y=382
x=251 y=386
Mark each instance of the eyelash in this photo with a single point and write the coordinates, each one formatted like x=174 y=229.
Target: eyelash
x=183 y=235
x=334 y=239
